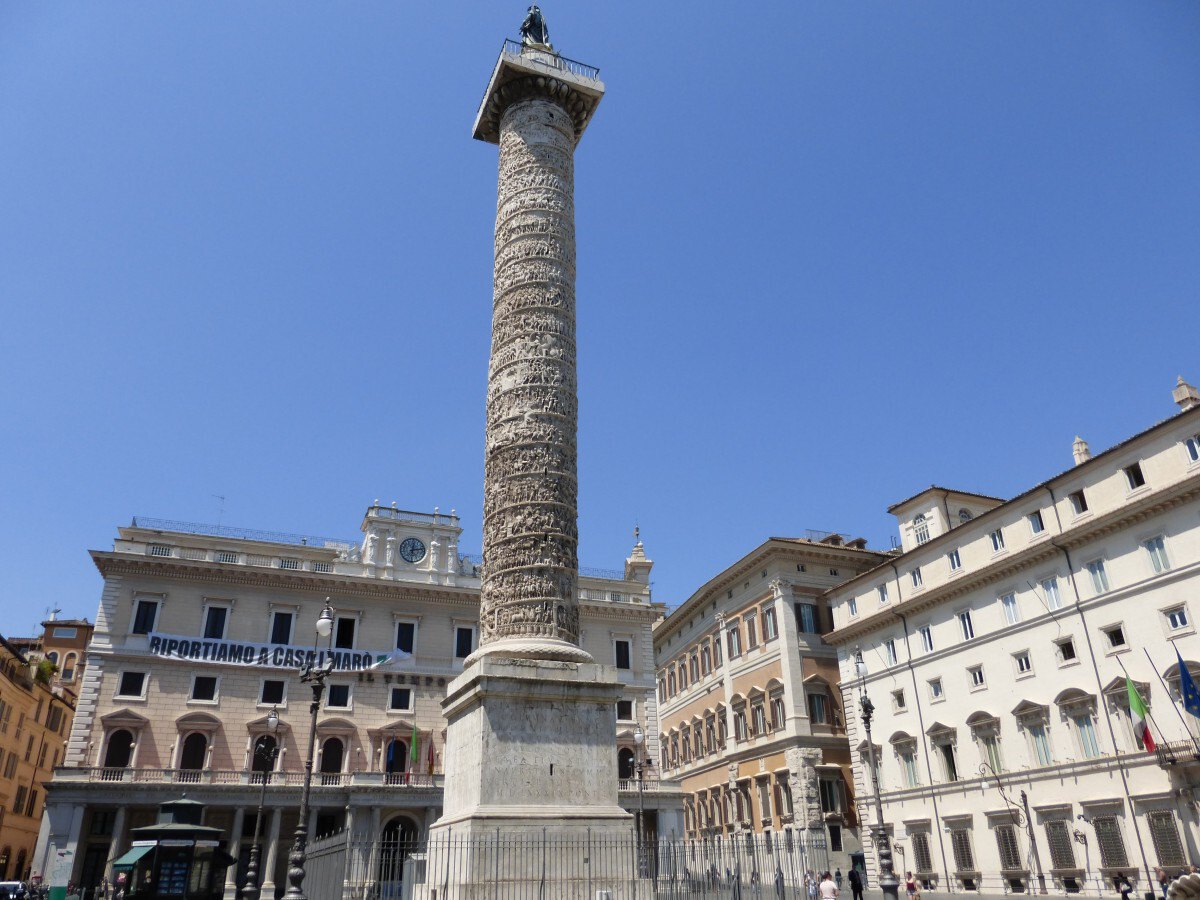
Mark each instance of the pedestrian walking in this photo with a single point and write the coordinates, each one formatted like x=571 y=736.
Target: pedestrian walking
x=910 y=885
x=810 y=884
x=828 y=887
x=837 y=878
x=856 y=885
x=1121 y=883
x=1164 y=880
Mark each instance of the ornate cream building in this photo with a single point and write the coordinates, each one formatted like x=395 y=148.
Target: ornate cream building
x=200 y=633
x=996 y=646
x=752 y=722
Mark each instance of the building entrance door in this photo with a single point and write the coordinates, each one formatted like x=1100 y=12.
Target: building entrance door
x=92 y=872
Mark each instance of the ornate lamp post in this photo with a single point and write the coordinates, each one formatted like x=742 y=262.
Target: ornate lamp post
x=888 y=883
x=314 y=674
x=641 y=763
x=251 y=889
x=1022 y=819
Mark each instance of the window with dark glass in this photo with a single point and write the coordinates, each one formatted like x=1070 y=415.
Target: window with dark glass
x=281 y=627
x=272 y=692
x=621 y=653
x=204 y=687
x=338 y=696
x=343 y=635
x=144 y=615
x=214 y=622
x=406 y=634
x=132 y=684
x=464 y=642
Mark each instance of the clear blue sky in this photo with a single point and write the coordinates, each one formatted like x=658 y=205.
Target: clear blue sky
x=828 y=254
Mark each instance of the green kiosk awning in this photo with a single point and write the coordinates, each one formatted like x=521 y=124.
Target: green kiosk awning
x=129 y=859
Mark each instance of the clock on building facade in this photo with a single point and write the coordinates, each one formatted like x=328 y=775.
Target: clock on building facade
x=412 y=550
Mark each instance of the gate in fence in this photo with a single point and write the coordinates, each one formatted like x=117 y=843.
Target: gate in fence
x=346 y=866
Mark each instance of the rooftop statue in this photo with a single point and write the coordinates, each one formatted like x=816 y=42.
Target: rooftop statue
x=533 y=29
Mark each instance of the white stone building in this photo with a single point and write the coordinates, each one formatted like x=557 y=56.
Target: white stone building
x=999 y=637
x=200 y=633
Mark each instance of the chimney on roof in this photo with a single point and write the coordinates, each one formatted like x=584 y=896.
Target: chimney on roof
x=1081 y=451
x=1185 y=395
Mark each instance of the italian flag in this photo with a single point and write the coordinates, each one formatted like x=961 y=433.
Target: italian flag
x=1139 y=715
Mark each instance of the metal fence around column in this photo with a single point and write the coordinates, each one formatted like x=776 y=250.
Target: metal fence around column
x=549 y=866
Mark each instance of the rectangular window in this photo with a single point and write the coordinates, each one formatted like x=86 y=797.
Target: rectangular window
x=19 y=801
x=464 y=642
x=997 y=537
x=1058 y=836
x=915 y=575
x=1036 y=524
x=1099 y=576
x=344 y=632
x=807 y=617
x=144 y=615
x=621 y=653
x=883 y=597
x=1110 y=842
x=908 y=759
x=778 y=716
x=716 y=648
x=935 y=689
x=1165 y=835
x=955 y=560
x=968 y=629
x=1078 y=503
x=889 y=651
x=1066 y=650
x=1010 y=852
x=1193 y=447
x=1134 y=476
x=1157 y=550
x=734 y=638
x=281 y=627
x=289 y=562
x=1050 y=589
x=273 y=692
x=921 y=855
x=214 y=622
x=926 y=633
x=830 y=795
x=400 y=700
x=625 y=710
x=1041 y=743
x=817 y=709
x=338 y=697
x=991 y=749
x=898 y=701
x=1086 y=729
x=1116 y=637
x=949 y=761
x=204 y=688
x=1177 y=618
x=751 y=631
x=1024 y=663
x=1012 y=614
x=835 y=837
x=226 y=556
x=852 y=604
x=770 y=626
x=975 y=674
x=960 y=843
x=160 y=550
x=132 y=684
x=406 y=636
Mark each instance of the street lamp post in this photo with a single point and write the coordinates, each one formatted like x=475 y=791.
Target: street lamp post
x=640 y=764
x=251 y=889
x=315 y=674
x=888 y=883
x=1022 y=818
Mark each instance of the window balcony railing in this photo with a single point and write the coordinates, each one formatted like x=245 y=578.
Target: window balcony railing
x=1177 y=753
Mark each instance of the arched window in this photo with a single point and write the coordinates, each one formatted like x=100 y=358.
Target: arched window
x=625 y=768
x=264 y=752
x=193 y=752
x=5 y=856
x=68 y=669
x=19 y=872
x=119 y=752
x=396 y=758
x=53 y=657
x=332 y=753
x=921 y=528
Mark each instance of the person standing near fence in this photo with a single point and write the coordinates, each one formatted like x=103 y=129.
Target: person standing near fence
x=829 y=889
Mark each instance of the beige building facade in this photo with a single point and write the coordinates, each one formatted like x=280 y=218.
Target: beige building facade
x=752 y=724
x=996 y=647
x=200 y=635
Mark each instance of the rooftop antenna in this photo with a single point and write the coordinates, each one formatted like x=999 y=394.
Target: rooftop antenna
x=221 y=509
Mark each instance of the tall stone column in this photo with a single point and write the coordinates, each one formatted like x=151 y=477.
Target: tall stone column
x=530 y=721
x=529 y=604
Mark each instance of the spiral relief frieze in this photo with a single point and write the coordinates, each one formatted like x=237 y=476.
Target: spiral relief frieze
x=530 y=538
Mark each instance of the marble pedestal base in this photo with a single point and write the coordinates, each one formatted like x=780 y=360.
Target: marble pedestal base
x=531 y=780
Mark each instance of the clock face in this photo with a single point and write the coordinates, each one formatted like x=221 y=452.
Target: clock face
x=412 y=550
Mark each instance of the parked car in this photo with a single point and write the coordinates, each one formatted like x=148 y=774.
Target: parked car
x=13 y=890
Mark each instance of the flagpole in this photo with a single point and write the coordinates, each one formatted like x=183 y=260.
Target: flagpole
x=1148 y=713
x=1167 y=688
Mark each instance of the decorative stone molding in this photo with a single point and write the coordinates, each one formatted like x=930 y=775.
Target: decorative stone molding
x=802 y=779
x=577 y=106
